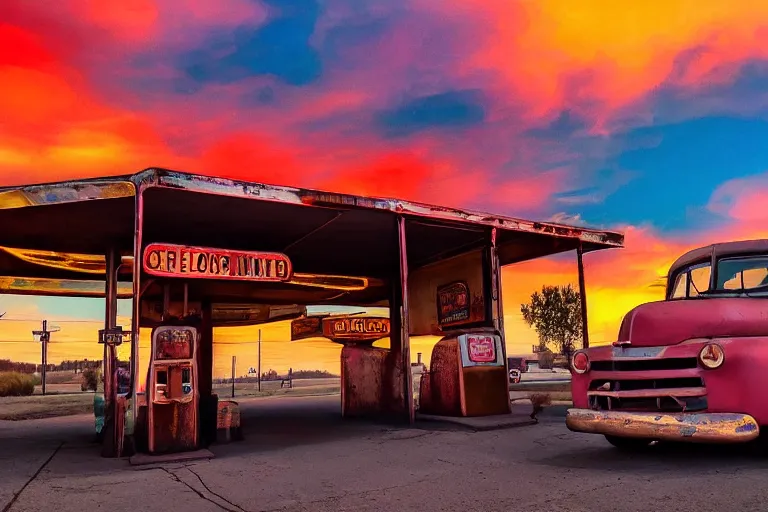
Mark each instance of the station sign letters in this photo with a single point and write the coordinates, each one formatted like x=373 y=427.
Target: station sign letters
x=481 y=349
x=355 y=328
x=166 y=260
x=453 y=304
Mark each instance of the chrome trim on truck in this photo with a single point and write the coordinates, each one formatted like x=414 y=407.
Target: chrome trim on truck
x=687 y=427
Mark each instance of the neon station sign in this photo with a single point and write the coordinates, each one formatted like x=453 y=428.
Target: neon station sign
x=167 y=260
x=351 y=328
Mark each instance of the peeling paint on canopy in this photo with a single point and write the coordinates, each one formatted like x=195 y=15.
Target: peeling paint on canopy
x=124 y=186
x=67 y=192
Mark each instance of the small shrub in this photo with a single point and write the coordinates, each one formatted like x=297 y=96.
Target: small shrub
x=16 y=384
x=546 y=360
x=90 y=378
x=538 y=401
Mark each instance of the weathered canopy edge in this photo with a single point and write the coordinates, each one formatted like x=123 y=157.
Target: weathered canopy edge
x=302 y=196
x=99 y=188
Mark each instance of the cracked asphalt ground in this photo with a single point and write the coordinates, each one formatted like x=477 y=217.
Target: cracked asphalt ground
x=299 y=455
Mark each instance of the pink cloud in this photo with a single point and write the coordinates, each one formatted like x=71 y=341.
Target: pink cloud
x=742 y=200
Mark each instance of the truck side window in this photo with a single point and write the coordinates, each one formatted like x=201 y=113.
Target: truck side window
x=692 y=282
x=681 y=286
x=699 y=280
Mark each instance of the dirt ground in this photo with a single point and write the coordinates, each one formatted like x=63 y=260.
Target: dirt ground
x=16 y=408
x=299 y=455
x=60 y=404
x=64 y=396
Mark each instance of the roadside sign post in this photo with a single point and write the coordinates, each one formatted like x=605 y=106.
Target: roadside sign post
x=44 y=335
x=234 y=359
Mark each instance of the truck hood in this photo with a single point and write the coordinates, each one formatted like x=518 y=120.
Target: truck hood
x=671 y=322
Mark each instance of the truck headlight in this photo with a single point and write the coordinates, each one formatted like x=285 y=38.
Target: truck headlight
x=711 y=356
x=580 y=362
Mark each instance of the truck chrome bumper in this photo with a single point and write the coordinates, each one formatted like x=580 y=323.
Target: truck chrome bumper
x=690 y=427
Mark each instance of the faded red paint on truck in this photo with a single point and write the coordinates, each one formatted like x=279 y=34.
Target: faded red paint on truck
x=671 y=322
x=655 y=365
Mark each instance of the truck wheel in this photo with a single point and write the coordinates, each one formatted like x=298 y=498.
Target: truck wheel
x=628 y=443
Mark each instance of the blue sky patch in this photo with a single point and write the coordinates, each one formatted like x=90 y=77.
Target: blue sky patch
x=675 y=177
x=281 y=48
x=450 y=109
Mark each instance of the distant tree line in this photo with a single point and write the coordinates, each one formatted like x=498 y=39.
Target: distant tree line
x=76 y=366
x=312 y=374
x=6 y=365
x=273 y=375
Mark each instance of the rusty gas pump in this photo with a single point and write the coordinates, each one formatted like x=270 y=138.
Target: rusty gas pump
x=172 y=389
x=468 y=372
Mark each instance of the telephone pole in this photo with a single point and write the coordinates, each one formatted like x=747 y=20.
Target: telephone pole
x=259 y=361
x=234 y=362
x=45 y=337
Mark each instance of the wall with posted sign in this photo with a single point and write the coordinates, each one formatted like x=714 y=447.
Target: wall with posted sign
x=447 y=295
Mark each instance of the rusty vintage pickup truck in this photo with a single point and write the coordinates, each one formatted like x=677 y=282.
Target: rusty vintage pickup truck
x=693 y=367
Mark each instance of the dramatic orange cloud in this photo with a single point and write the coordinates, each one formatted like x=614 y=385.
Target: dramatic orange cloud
x=565 y=54
x=250 y=157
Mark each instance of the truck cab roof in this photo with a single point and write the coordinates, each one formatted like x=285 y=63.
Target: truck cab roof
x=713 y=253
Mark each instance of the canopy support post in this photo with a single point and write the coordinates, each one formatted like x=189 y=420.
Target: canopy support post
x=112 y=430
x=582 y=295
x=404 y=339
x=136 y=311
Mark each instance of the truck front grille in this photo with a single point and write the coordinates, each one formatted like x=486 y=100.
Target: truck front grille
x=658 y=404
x=665 y=401
x=644 y=365
x=631 y=385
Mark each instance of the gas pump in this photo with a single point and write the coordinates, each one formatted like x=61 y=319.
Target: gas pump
x=172 y=389
x=467 y=375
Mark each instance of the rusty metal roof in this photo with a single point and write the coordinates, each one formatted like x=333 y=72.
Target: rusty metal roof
x=123 y=187
x=719 y=250
x=54 y=235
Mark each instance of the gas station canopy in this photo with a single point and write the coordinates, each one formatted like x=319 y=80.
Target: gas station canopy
x=344 y=248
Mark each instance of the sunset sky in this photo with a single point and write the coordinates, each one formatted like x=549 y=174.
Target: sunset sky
x=648 y=117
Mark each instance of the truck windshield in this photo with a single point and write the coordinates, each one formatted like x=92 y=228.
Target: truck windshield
x=742 y=273
x=733 y=275
x=692 y=282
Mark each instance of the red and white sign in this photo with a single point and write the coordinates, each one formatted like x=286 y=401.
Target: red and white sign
x=167 y=260
x=481 y=349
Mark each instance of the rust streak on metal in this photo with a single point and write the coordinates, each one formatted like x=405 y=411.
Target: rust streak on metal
x=60 y=287
x=307 y=197
x=125 y=186
x=690 y=427
x=65 y=192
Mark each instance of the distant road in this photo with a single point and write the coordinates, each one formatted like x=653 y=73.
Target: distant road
x=540 y=377
x=545 y=381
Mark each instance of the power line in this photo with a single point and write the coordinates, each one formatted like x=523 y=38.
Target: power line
x=69 y=321
x=94 y=342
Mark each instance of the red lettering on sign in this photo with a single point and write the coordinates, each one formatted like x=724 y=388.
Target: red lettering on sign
x=165 y=260
x=481 y=349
